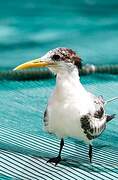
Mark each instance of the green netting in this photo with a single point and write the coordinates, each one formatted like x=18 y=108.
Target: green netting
x=22 y=106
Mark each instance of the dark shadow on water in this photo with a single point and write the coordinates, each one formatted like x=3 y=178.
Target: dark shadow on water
x=85 y=165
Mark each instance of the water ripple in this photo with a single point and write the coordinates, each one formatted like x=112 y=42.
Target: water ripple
x=29 y=28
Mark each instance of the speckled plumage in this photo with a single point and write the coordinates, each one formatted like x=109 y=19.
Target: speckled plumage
x=66 y=55
x=72 y=110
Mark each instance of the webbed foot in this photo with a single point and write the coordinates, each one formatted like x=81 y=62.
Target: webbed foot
x=55 y=160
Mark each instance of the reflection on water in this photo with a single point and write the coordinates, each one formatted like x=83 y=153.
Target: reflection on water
x=30 y=28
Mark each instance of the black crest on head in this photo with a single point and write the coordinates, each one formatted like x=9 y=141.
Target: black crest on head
x=67 y=55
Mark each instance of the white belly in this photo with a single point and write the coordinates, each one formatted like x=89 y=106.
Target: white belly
x=68 y=103
x=64 y=119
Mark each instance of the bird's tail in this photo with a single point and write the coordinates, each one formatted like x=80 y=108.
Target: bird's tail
x=110 y=117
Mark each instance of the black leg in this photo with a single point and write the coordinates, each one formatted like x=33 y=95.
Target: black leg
x=57 y=159
x=90 y=153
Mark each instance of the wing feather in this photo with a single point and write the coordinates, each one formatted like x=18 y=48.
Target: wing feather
x=94 y=124
x=46 y=117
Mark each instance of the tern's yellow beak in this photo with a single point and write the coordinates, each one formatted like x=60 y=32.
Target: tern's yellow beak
x=37 y=63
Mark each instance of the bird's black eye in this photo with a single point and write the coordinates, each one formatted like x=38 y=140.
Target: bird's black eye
x=55 y=57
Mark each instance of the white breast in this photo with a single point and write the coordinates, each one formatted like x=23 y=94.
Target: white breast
x=66 y=107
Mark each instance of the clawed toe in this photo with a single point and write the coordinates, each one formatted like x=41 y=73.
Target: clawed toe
x=55 y=160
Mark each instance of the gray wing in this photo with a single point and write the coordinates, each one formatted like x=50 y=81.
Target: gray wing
x=46 y=117
x=94 y=124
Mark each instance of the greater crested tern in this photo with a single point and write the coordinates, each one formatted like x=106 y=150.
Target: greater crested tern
x=71 y=111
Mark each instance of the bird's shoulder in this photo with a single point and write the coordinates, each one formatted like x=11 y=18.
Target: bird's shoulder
x=99 y=106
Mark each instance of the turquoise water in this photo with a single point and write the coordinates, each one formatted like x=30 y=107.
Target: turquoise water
x=28 y=29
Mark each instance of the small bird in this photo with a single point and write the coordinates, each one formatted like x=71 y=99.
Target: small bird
x=71 y=111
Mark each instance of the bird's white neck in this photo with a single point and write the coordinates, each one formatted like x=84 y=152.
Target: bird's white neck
x=63 y=76
x=68 y=84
